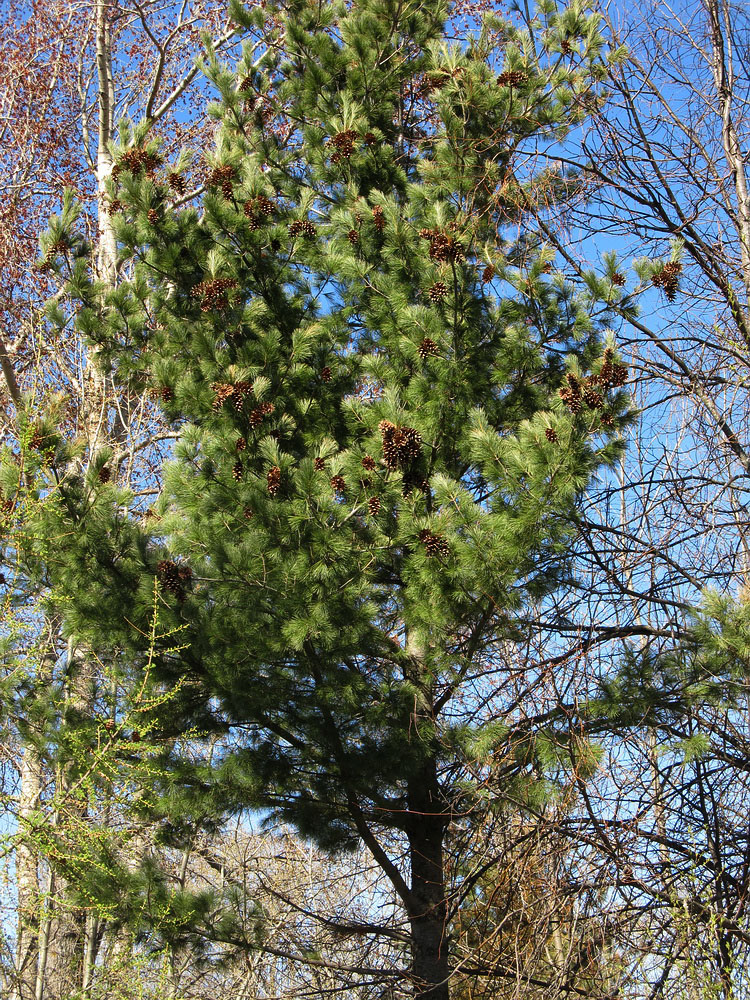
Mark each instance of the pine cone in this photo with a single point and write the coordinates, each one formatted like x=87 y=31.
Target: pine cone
x=240 y=391
x=571 y=395
x=222 y=391
x=353 y=237
x=438 y=291
x=273 y=480
x=240 y=444
x=303 y=228
x=319 y=464
x=551 y=434
x=666 y=279
x=488 y=273
x=338 y=485
x=223 y=177
x=104 y=474
x=171 y=576
x=258 y=209
x=153 y=216
x=592 y=398
x=378 y=218
x=369 y=139
x=237 y=470
x=618 y=279
x=369 y=463
x=247 y=513
x=434 y=544
x=428 y=348
x=325 y=373
x=213 y=294
x=176 y=183
x=373 y=505
x=401 y=445
x=619 y=376
x=344 y=144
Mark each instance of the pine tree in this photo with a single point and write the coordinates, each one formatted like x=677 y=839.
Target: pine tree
x=351 y=301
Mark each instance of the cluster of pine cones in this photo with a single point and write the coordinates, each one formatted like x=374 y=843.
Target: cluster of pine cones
x=444 y=249
x=163 y=392
x=137 y=159
x=257 y=210
x=343 y=142
x=401 y=445
x=512 y=78
x=580 y=392
x=260 y=412
x=666 y=279
x=435 y=545
x=303 y=227
x=173 y=577
x=213 y=294
x=224 y=178
x=236 y=391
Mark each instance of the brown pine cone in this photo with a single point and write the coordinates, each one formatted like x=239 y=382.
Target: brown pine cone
x=434 y=544
x=428 y=348
x=338 y=484
x=343 y=142
x=438 y=291
x=592 y=398
x=177 y=183
x=369 y=463
x=551 y=434
x=373 y=505
x=273 y=480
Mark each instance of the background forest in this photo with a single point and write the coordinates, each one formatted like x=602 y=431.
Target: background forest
x=375 y=442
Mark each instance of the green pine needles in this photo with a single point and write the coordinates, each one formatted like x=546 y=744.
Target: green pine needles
x=362 y=340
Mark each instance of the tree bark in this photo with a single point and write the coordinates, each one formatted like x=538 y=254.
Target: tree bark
x=27 y=878
x=428 y=905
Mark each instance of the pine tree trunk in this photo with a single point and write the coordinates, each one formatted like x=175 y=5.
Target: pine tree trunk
x=428 y=909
